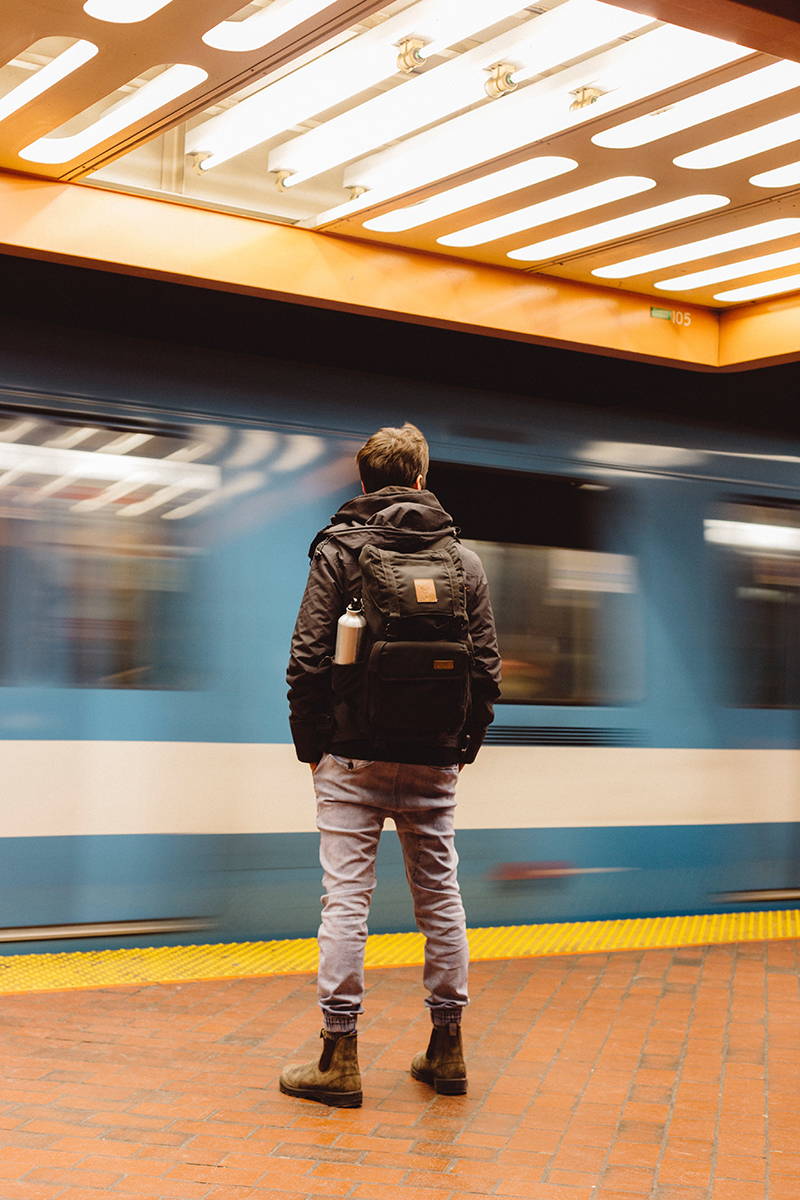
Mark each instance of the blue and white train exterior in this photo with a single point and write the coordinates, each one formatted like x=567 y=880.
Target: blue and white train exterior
x=178 y=813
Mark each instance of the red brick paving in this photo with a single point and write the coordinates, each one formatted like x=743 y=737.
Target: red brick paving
x=665 y=1075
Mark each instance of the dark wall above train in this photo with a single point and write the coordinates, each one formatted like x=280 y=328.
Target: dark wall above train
x=44 y=305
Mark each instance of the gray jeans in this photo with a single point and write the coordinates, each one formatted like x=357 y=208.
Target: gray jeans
x=353 y=800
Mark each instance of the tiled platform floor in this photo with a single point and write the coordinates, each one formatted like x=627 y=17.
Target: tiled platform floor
x=667 y=1074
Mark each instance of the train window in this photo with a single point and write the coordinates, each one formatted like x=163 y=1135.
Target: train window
x=565 y=600
x=758 y=547
x=98 y=590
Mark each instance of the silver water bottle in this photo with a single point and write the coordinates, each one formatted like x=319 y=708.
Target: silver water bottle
x=349 y=632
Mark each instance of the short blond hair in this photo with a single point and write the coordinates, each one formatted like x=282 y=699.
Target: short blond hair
x=393 y=457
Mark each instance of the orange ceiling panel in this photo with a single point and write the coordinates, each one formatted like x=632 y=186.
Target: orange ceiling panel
x=126 y=51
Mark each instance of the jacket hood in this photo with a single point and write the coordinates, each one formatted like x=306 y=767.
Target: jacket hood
x=389 y=517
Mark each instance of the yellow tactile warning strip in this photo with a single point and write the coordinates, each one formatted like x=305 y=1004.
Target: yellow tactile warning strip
x=240 y=960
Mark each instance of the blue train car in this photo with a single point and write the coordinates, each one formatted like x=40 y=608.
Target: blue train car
x=156 y=504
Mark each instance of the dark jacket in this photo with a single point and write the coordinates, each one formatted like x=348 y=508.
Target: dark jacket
x=396 y=518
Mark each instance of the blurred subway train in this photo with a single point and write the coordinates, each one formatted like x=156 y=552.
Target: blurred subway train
x=646 y=582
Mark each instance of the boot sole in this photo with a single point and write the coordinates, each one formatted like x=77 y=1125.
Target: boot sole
x=445 y=1087
x=333 y=1099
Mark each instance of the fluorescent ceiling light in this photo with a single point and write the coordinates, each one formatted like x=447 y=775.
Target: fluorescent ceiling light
x=261 y=28
x=752 y=235
x=554 y=209
x=781 y=177
x=742 y=145
x=358 y=64
x=751 y=536
x=576 y=28
x=717 y=101
x=477 y=191
x=123 y=12
x=46 y=77
x=747 y=266
x=641 y=67
x=593 y=235
x=773 y=287
x=151 y=96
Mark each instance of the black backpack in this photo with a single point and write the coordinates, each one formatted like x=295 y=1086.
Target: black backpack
x=418 y=655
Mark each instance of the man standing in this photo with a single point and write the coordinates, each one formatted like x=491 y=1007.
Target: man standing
x=386 y=736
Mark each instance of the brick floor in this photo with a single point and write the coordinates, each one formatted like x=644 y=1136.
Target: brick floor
x=670 y=1075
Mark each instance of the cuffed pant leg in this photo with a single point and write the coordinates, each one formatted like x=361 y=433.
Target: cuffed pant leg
x=349 y=836
x=431 y=863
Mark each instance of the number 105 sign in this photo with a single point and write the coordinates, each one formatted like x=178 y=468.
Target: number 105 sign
x=677 y=316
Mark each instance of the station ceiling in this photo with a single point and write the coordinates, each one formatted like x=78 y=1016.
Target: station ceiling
x=647 y=146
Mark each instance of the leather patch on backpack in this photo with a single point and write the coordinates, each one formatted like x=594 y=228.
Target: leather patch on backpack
x=425 y=590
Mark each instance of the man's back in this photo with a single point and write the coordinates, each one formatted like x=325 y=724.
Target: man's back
x=401 y=519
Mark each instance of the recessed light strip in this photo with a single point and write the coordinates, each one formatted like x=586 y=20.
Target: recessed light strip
x=752 y=235
x=685 y=114
x=757 y=291
x=747 y=266
x=261 y=28
x=46 y=77
x=742 y=145
x=477 y=191
x=577 y=28
x=619 y=227
x=361 y=63
x=171 y=83
x=641 y=67
x=555 y=209
x=781 y=177
x=123 y=12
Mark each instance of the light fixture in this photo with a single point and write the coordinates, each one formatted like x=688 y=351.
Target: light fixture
x=123 y=12
x=715 y=102
x=751 y=235
x=781 y=177
x=45 y=77
x=566 y=205
x=742 y=145
x=756 y=291
x=576 y=28
x=749 y=535
x=261 y=28
x=477 y=191
x=356 y=65
x=165 y=87
x=640 y=67
x=747 y=266
x=619 y=227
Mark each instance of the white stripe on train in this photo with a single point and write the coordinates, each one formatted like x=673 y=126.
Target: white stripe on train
x=81 y=788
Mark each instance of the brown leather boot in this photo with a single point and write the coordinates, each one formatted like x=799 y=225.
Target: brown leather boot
x=334 y=1080
x=442 y=1064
